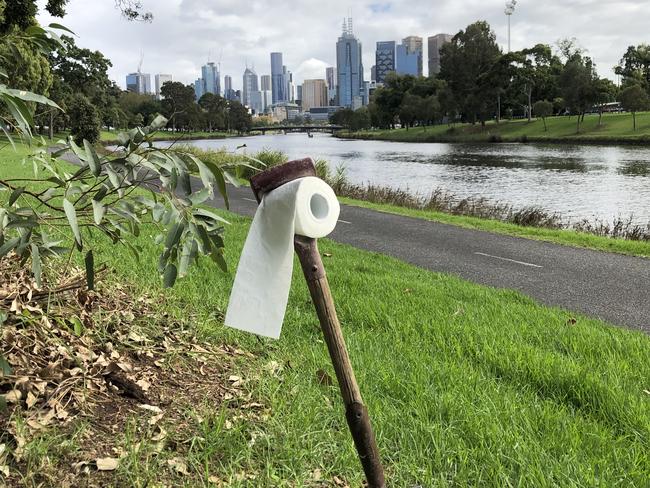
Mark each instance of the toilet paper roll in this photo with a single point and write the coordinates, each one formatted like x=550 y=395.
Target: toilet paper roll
x=258 y=301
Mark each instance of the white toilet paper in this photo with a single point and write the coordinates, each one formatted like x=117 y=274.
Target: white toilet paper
x=258 y=301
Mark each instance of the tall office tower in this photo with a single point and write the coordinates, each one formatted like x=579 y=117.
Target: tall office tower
x=278 y=82
x=211 y=79
x=330 y=77
x=250 y=85
x=160 y=81
x=139 y=83
x=314 y=94
x=373 y=73
x=265 y=82
x=228 y=92
x=384 y=59
x=290 y=86
x=198 y=89
x=409 y=56
x=435 y=45
x=349 y=68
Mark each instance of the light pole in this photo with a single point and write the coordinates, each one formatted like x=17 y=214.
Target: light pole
x=510 y=9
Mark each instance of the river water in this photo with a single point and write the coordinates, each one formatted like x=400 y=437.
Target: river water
x=577 y=181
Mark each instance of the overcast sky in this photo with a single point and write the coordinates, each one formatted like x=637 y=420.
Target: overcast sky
x=186 y=33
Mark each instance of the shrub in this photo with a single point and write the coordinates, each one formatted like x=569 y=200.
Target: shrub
x=84 y=120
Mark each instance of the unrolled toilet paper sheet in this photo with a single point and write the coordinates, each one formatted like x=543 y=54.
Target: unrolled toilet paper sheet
x=258 y=301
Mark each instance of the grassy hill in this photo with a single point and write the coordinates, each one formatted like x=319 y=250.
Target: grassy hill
x=615 y=128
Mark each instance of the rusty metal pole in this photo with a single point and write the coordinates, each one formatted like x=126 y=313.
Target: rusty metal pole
x=314 y=271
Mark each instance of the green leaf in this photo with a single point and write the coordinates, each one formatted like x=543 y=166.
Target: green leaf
x=221 y=182
x=71 y=214
x=15 y=194
x=99 y=210
x=158 y=123
x=174 y=235
x=90 y=270
x=80 y=153
x=169 y=278
x=36 y=265
x=200 y=212
x=3 y=317
x=54 y=25
x=77 y=325
x=93 y=160
x=9 y=245
x=5 y=368
x=27 y=96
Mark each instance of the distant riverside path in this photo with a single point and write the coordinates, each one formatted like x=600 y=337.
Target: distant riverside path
x=576 y=181
x=612 y=287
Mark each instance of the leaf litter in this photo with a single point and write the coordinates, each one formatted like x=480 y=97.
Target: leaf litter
x=71 y=356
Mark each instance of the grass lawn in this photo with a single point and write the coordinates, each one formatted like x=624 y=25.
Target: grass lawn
x=565 y=237
x=466 y=385
x=614 y=128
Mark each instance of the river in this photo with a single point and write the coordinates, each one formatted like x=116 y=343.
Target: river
x=576 y=181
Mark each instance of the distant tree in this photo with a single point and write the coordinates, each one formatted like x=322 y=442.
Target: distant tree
x=532 y=69
x=634 y=99
x=238 y=117
x=361 y=119
x=178 y=99
x=543 y=109
x=84 y=121
x=579 y=84
x=409 y=109
x=634 y=67
x=606 y=91
x=464 y=63
x=214 y=107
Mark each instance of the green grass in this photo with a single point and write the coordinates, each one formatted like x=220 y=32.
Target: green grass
x=615 y=128
x=564 y=237
x=466 y=385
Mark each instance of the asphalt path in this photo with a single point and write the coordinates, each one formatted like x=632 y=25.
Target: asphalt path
x=609 y=286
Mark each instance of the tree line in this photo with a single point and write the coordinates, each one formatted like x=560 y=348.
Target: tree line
x=478 y=82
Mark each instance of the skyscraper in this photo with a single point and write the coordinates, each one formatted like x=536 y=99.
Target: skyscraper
x=211 y=79
x=228 y=92
x=160 y=81
x=139 y=83
x=330 y=77
x=199 y=89
x=409 y=56
x=435 y=44
x=278 y=82
x=314 y=94
x=384 y=59
x=250 y=85
x=349 y=68
x=265 y=82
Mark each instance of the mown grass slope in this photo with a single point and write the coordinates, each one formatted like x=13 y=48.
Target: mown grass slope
x=614 y=128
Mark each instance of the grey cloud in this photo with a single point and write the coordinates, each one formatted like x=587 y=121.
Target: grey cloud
x=185 y=32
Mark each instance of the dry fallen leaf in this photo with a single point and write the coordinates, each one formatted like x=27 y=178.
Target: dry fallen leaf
x=107 y=464
x=327 y=254
x=571 y=321
x=151 y=408
x=178 y=464
x=324 y=378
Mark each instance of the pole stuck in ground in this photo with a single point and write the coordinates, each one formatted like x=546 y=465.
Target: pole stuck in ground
x=314 y=271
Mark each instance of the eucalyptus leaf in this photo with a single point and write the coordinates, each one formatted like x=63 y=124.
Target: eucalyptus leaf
x=169 y=277
x=71 y=214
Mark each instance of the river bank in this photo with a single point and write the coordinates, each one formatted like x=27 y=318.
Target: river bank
x=613 y=129
x=458 y=357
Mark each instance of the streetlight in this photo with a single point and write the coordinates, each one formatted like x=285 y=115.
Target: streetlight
x=510 y=9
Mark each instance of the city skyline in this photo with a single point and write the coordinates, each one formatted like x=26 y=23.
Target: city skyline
x=232 y=40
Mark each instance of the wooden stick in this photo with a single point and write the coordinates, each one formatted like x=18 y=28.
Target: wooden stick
x=355 y=411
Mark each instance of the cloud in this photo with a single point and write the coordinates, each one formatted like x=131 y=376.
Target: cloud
x=186 y=33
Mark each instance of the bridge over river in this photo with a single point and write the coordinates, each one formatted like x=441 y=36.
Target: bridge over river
x=297 y=128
